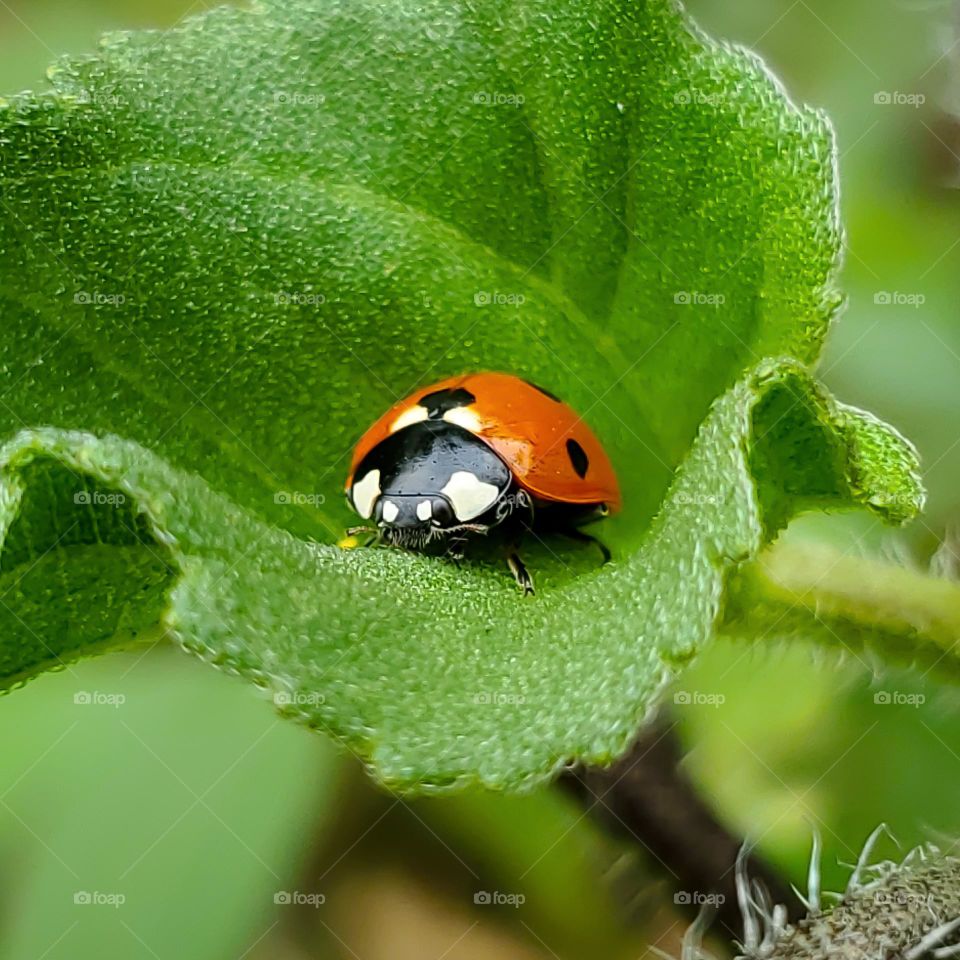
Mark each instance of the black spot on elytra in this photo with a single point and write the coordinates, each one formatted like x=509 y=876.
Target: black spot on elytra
x=578 y=457
x=440 y=401
x=545 y=392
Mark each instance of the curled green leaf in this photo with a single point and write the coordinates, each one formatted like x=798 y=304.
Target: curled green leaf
x=224 y=250
x=438 y=674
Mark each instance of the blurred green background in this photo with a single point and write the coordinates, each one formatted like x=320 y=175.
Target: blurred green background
x=193 y=803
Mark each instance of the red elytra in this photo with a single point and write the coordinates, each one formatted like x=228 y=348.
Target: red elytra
x=547 y=446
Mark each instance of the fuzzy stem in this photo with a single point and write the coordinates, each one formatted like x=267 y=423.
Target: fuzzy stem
x=797 y=591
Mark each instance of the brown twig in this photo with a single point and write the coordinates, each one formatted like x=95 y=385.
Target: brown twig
x=648 y=797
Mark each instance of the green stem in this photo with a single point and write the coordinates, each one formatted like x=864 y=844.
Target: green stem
x=902 y=615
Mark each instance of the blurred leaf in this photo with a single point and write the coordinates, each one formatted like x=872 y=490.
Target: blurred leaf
x=541 y=845
x=226 y=249
x=166 y=786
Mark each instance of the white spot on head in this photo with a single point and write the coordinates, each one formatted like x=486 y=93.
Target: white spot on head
x=411 y=415
x=365 y=492
x=424 y=510
x=390 y=511
x=465 y=417
x=469 y=495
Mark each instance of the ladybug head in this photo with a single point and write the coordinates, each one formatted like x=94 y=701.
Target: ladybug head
x=428 y=480
x=410 y=520
x=416 y=519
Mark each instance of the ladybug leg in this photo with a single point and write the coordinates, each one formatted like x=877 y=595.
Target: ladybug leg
x=455 y=548
x=373 y=534
x=471 y=528
x=575 y=533
x=513 y=528
x=520 y=573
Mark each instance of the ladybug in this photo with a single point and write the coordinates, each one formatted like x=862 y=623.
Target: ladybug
x=477 y=452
